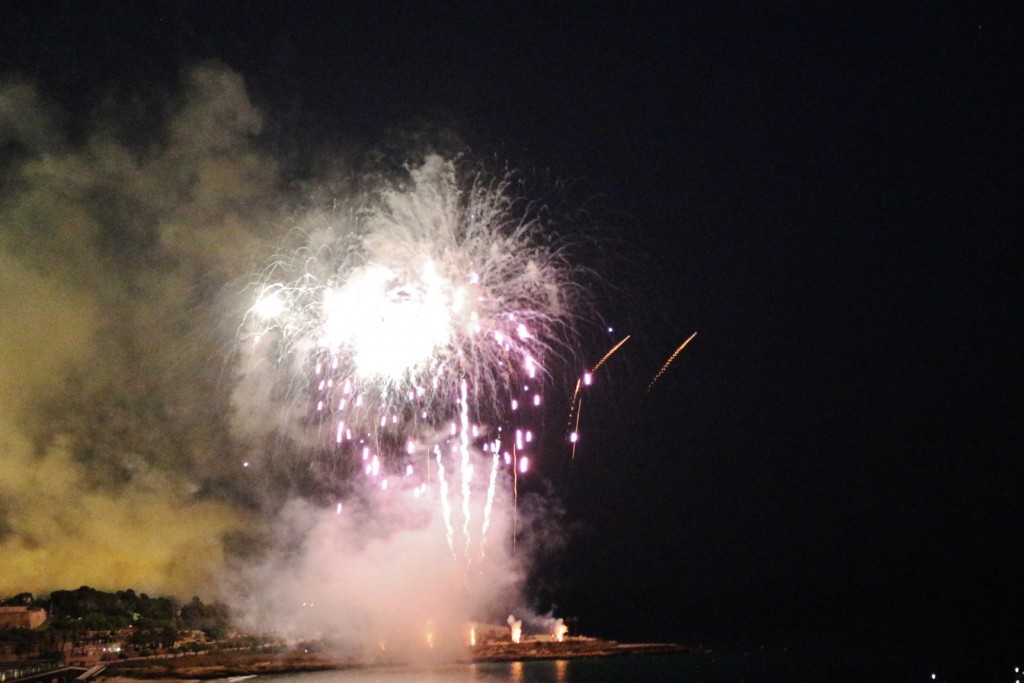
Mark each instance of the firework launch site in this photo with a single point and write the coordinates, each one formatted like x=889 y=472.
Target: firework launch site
x=97 y=635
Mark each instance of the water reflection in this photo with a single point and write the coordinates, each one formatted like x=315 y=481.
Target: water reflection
x=536 y=671
x=561 y=671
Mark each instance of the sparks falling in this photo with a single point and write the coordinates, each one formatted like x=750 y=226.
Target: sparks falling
x=426 y=318
x=670 y=360
x=576 y=402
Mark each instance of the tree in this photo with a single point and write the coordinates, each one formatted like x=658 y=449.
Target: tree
x=19 y=600
x=213 y=620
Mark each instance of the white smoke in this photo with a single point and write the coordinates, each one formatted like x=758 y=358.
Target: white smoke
x=378 y=578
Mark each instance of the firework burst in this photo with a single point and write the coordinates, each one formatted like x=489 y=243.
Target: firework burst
x=423 y=321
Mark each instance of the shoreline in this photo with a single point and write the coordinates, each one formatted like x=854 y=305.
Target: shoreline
x=204 y=667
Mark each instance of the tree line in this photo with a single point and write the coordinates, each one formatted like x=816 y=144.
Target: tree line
x=142 y=622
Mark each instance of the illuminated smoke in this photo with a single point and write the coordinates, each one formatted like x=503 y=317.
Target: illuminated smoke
x=114 y=258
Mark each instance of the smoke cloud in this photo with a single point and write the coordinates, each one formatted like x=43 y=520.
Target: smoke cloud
x=140 y=447
x=114 y=265
x=378 y=579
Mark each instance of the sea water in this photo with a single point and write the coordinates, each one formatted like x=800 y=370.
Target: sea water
x=756 y=665
x=639 y=669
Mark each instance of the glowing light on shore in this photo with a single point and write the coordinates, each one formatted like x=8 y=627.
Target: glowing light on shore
x=560 y=630
x=515 y=628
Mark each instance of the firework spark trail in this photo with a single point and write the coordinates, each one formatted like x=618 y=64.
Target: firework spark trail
x=575 y=436
x=446 y=508
x=491 y=486
x=465 y=467
x=576 y=402
x=589 y=373
x=669 y=361
x=610 y=352
x=515 y=496
x=572 y=401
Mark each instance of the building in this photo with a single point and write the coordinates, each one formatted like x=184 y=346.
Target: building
x=22 y=617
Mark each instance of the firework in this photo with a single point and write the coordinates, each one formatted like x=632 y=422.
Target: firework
x=425 y=317
x=576 y=402
x=671 y=358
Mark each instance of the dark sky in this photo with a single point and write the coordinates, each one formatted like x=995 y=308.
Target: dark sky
x=824 y=192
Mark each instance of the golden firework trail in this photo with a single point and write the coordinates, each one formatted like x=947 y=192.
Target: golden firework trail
x=610 y=352
x=575 y=434
x=669 y=361
x=574 y=406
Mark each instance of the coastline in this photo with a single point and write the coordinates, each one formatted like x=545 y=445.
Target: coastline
x=203 y=667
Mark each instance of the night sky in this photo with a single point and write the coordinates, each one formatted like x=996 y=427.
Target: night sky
x=823 y=192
